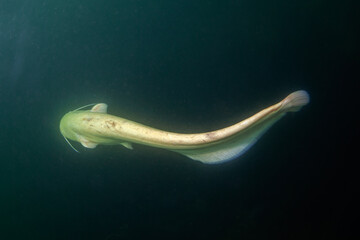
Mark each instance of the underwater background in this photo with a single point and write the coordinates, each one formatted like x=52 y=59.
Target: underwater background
x=183 y=66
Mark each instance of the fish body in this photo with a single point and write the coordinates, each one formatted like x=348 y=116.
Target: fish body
x=96 y=126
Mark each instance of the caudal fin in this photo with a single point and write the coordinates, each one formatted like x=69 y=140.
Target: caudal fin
x=249 y=131
x=295 y=101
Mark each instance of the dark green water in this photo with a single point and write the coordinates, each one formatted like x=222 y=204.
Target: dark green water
x=185 y=66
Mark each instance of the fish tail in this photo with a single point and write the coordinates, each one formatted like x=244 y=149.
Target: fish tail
x=240 y=142
x=295 y=101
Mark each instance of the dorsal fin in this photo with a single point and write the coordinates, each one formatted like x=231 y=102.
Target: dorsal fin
x=99 y=108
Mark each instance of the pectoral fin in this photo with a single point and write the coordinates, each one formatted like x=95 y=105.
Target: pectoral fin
x=99 y=108
x=86 y=143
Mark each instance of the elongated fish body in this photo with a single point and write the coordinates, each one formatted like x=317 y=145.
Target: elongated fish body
x=95 y=126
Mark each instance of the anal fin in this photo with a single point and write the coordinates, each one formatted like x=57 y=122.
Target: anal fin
x=231 y=148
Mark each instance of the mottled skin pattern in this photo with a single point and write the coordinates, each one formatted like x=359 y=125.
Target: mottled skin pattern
x=95 y=126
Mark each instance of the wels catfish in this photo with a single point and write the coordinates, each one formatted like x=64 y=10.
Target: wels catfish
x=95 y=126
